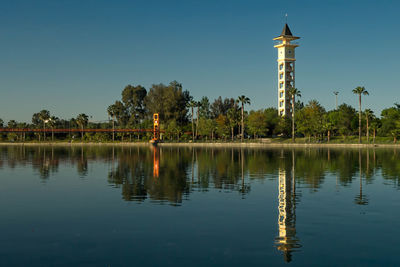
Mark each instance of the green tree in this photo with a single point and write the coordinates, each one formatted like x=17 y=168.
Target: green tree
x=221 y=107
x=117 y=112
x=1 y=123
x=243 y=100
x=12 y=136
x=344 y=119
x=39 y=119
x=331 y=122
x=12 y=124
x=369 y=115
x=257 y=123
x=375 y=124
x=390 y=122
x=22 y=125
x=283 y=126
x=204 y=108
x=173 y=129
x=82 y=120
x=293 y=92
x=359 y=91
x=328 y=128
x=169 y=101
x=207 y=127
x=311 y=119
x=233 y=116
x=133 y=99
x=272 y=119
x=222 y=126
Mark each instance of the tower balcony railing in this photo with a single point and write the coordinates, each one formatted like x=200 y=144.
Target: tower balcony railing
x=278 y=42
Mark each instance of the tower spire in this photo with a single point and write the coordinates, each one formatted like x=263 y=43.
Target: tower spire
x=286 y=31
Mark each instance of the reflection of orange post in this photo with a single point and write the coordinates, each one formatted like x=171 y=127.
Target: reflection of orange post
x=156 y=162
x=156 y=128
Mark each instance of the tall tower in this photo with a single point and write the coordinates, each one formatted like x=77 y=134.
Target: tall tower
x=286 y=60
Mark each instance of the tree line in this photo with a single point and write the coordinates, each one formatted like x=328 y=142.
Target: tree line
x=183 y=118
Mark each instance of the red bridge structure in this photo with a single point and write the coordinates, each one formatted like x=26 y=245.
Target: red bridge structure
x=50 y=130
x=156 y=130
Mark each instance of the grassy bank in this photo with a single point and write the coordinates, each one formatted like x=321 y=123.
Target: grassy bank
x=275 y=142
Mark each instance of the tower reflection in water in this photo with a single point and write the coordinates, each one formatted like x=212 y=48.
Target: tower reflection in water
x=156 y=161
x=286 y=241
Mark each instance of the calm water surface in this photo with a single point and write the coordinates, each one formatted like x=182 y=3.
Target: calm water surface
x=130 y=206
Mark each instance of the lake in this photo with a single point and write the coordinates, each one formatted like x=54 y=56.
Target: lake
x=145 y=206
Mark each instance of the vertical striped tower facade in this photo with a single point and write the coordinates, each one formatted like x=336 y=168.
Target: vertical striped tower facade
x=286 y=69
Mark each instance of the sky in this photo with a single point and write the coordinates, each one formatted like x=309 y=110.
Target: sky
x=74 y=57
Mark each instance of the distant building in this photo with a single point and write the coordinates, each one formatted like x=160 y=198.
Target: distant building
x=286 y=67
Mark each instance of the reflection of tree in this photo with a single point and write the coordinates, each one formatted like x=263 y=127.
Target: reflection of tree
x=82 y=164
x=287 y=241
x=391 y=167
x=360 y=199
x=244 y=189
x=344 y=163
x=221 y=167
x=310 y=169
x=45 y=162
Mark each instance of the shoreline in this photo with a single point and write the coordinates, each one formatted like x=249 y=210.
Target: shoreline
x=188 y=144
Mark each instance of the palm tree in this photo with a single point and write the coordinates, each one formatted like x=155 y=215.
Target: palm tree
x=360 y=199
x=82 y=121
x=328 y=127
x=374 y=126
x=368 y=115
x=359 y=91
x=293 y=92
x=192 y=104
x=244 y=100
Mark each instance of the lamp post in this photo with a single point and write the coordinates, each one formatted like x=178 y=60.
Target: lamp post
x=336 y=94
x=44 y=129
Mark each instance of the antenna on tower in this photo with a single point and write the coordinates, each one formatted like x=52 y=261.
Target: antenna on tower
x=286 y=18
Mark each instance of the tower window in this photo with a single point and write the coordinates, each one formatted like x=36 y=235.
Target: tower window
x=281 y=104
x=281 y=66
x=281 y=94
x=281 y=76
x=281 y=85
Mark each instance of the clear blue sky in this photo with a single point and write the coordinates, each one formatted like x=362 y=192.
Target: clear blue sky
x=75 y=57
